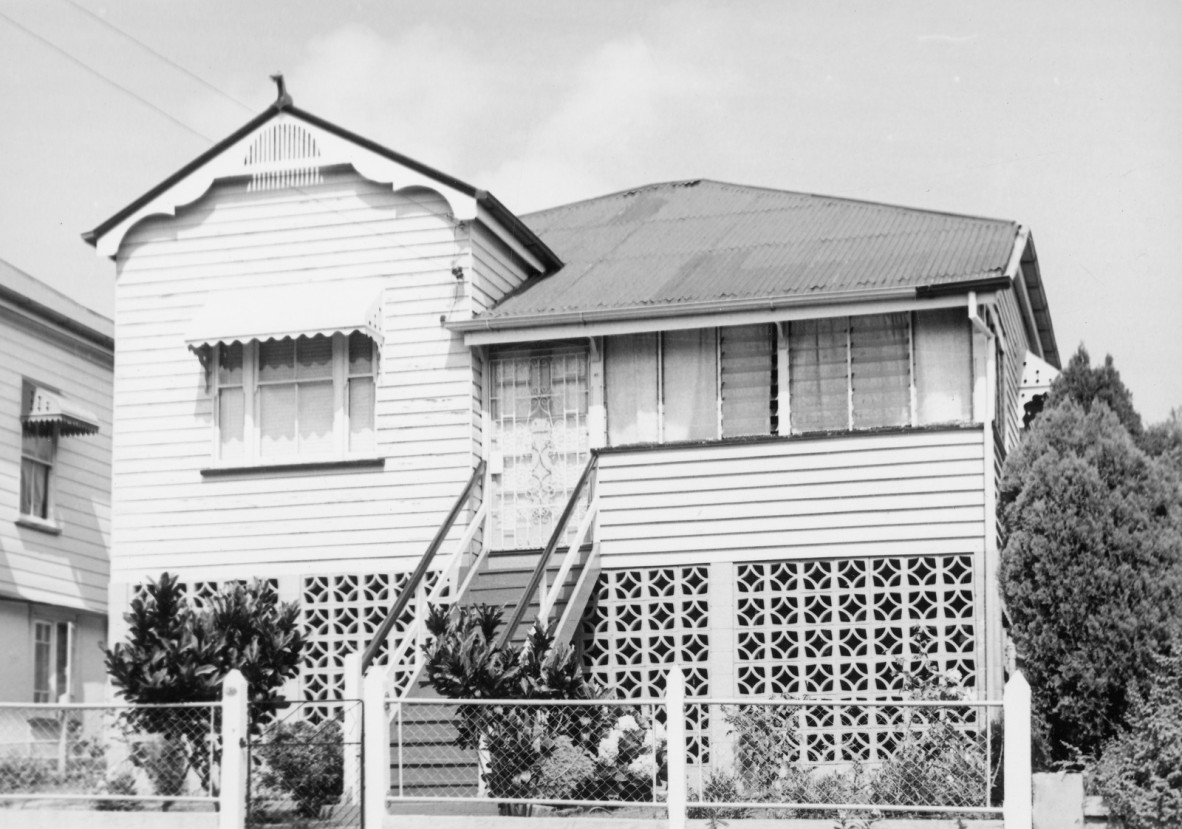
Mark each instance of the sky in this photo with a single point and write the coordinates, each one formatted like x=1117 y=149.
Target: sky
x=1063 y=116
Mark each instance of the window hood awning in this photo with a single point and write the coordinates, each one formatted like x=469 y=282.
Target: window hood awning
x=282 y=311
x=48 y=410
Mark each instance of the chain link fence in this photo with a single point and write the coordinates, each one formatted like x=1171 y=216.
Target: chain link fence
x=300 y=757
x=525 y=754
x=813 y=758
x=112 y=757
x=766 y=758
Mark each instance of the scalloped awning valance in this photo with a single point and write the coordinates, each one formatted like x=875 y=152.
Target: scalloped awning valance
x=280 y=311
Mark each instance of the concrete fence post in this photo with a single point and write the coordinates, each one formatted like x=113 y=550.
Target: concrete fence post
x=352 y=726
x=1018 y=808
x=232 y=797
x=376 y=747
x=676 y=747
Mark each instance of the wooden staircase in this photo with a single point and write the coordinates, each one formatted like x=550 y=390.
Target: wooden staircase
x=425 y=762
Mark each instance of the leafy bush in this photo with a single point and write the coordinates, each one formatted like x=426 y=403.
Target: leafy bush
x=523 y=744
x=308 y=762
x=177 y=653
x=720 y=787
x=24 y=774
x=1140 y=772
x=122 y=784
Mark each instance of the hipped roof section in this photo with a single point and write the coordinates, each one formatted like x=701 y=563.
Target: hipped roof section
x=194 y=179
x=666 y=248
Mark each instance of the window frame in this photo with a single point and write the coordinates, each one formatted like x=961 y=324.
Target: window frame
x=49 y=466
x=717 y=405
x=59 y=659
x=340 y=377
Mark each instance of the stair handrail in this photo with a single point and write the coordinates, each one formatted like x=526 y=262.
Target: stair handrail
x=416 y=577
x=535 y=578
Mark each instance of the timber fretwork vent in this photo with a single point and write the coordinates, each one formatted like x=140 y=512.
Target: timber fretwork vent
x=841 y=628
x=341 y=614
x=640 y=624
x=283 y=155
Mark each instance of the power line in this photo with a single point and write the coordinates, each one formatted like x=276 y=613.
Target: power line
x=88 y=68
x=156 y=54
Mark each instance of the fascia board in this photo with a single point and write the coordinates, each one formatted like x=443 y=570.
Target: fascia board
x=708 y=319
x=229 y=162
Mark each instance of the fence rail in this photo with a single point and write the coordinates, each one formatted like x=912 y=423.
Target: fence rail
x=118 y=757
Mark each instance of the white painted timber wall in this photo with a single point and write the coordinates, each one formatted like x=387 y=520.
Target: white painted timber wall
x=69 y=569
x=167 y=515
x=902 y=493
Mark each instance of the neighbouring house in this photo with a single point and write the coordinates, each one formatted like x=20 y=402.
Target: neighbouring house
x=56 y=361
x=776 y=420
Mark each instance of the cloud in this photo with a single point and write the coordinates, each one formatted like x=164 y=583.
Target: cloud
x=946 y=38
x=625 y=105
x=420 y=94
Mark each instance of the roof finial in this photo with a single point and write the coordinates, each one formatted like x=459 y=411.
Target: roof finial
x=282 y=99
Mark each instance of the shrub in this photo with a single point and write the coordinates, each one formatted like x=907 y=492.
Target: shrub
x=1140 y=772
x=122 y=784
x=720 y=788
x=308 y=763
x=1091 y=570
x=23 y=774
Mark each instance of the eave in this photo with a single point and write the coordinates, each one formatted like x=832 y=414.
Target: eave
x=472 y=204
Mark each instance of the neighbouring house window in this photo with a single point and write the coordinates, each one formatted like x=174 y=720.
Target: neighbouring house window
x=37 y=454
x=305 y=397
x=695 y=384
x=51 y=660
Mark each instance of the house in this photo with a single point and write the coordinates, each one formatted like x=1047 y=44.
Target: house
x=797 y=407
x=56 y=360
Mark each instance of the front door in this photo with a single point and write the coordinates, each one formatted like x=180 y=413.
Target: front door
x=538 y=408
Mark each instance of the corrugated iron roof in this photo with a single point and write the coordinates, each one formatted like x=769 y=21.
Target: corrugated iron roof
x=670 y=244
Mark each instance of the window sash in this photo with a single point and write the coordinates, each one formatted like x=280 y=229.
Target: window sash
x=303 y=398
x=37 y=456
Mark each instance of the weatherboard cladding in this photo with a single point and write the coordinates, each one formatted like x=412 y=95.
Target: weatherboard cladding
x=683 y=242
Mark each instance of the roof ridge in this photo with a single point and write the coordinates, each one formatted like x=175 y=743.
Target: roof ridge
x=820 y=196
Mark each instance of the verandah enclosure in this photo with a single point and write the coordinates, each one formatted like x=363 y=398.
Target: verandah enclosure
x=345 y=766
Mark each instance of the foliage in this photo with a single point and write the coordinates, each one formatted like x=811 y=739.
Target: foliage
x=177 y=653
x=308 y=762
x=23 y=774
x=720 y=787
x=1140 y=773
x=1164 y=440
x=767 y=743
x=1091 y=569
x=937 y=759
x=1086 y=386
x=120 y=784
x=535 y=751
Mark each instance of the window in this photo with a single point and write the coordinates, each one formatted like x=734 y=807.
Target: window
x=37 y=453
x=695 y=384
x=861 y=372
x=308 y=397
x=880 y=370
x=52 y=643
